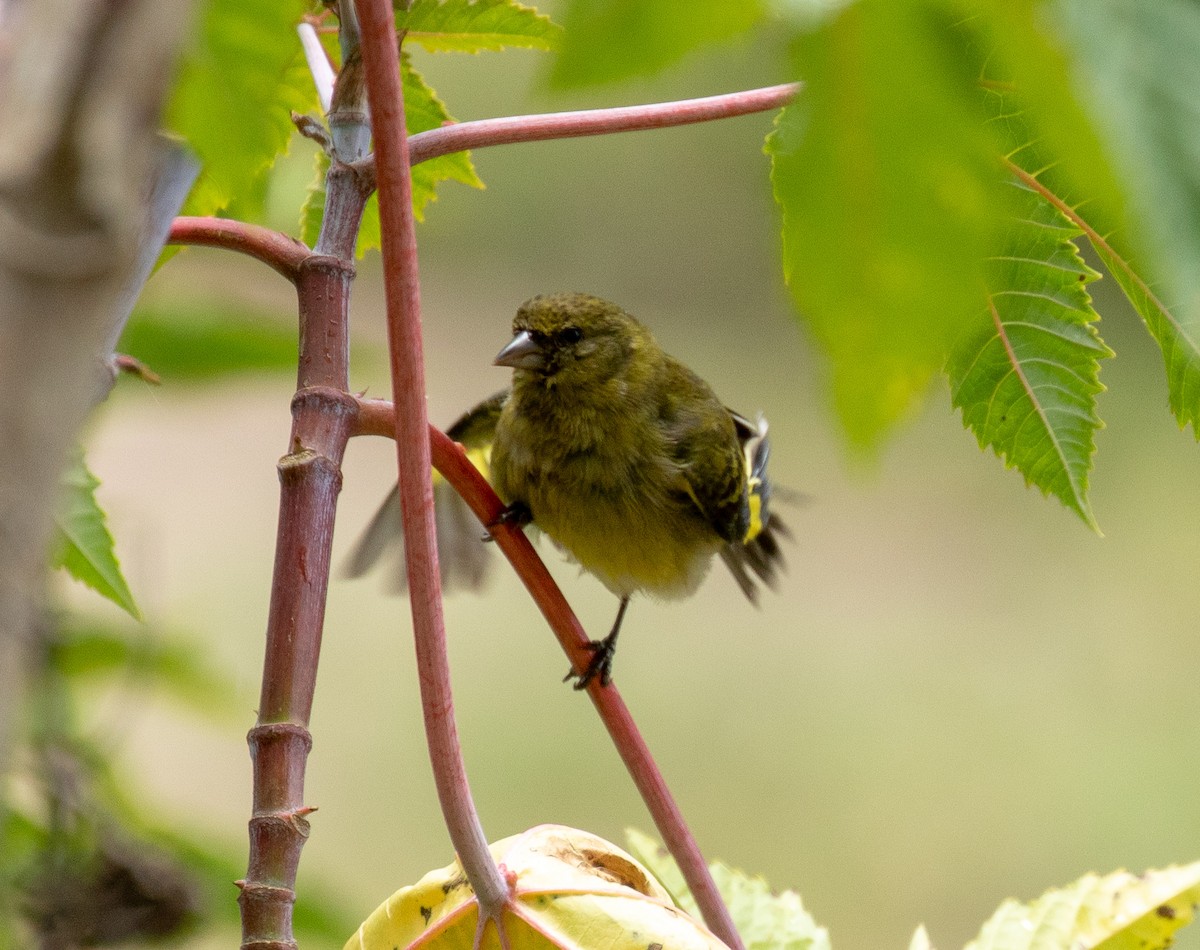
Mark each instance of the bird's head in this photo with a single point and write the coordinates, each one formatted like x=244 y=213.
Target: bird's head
x=572 y=340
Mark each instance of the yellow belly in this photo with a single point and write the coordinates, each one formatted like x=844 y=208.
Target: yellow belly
x=629 y=544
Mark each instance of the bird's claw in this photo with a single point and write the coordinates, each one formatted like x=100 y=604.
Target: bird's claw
x=517 y=515
x=599 y=666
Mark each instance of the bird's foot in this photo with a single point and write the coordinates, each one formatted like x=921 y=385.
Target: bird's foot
x=599 y=666
x=517 y=515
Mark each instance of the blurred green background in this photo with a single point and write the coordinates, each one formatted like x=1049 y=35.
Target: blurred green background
x=959 y=693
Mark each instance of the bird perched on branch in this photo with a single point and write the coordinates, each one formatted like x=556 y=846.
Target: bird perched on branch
x=619 y=453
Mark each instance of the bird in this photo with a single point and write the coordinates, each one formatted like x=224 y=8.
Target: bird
x=621 y=455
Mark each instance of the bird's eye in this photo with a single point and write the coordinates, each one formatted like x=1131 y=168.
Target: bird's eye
x=572 y=334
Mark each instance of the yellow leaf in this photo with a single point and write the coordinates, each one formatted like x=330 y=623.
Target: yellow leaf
x=570 y=890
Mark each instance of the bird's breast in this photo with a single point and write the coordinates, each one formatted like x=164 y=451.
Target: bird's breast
x=609 y=494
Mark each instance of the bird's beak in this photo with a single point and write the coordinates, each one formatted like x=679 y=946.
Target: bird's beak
x=521 y=353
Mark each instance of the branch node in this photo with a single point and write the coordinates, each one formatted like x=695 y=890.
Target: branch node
x=286 y=823
x=265 y=893
x=312 y=128
x=279 y=732
x=325 y=399
x=328 y=264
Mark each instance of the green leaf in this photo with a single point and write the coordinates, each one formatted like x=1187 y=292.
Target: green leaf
x=660 y=863
x=84 y=547
x=765 y=921
x=472 y=26
x=1176 y=332
x=1121 y=911
x=180 y=669
x=611 y=40
x=885 y=170
x=1027 y=382
x=1023 y=60
x=183 y=344
x=237 y=86
x=768 y=921
x=423 y=111
x=1137 y=62
x=807 y=14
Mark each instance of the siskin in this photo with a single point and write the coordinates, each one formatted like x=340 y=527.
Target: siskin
x=619 y=453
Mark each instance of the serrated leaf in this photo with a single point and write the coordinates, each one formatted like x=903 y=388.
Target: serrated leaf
x=1137 y=63
x=1177 y=332
x=237 y=85
x=1120 y=911
x=1178 y=339
x=1025 y=58
x=764 y=920
x=1027 y=384
x=884 y=169
x=84 y=547
x=611 y=40
x=423 y=110
x=473 y=26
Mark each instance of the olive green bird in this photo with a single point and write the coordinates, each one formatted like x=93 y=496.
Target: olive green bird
x=619 y=453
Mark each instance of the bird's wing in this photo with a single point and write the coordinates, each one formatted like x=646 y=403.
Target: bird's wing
x=463 y=557
x=708 y=454
x=476 y=428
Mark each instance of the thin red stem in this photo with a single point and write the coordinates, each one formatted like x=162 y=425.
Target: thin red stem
x=282 y=253
x=402 y=289
x=375 y=417
x=564 y=125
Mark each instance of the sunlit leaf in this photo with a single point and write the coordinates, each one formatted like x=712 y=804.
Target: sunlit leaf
x=1121 y=911
x=570 y=890
x=84 y=548
x=765 y=921
x=887 y=176
x=608 y=40
x=1027 y=381
x=472 y=26
x=238 y=82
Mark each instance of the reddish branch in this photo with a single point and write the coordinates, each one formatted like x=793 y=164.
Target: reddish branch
x=282 y=253
x=324 y=417
x=375 y=417
x=564 y=125
x=403 y=299
x=310 y=479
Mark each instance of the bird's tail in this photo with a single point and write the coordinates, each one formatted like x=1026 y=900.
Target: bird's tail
x=758 y=556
